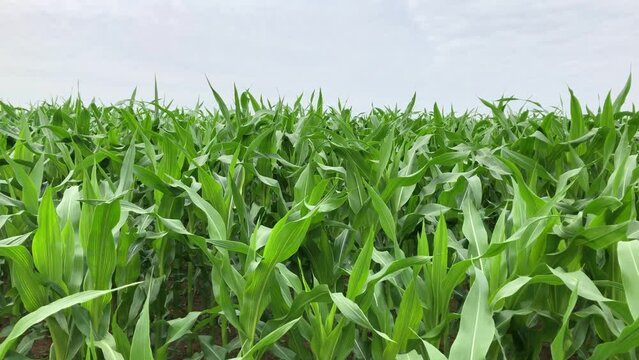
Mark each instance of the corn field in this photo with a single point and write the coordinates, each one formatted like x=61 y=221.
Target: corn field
x=261 y=230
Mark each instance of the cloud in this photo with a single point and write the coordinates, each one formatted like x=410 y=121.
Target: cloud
x=367 y=51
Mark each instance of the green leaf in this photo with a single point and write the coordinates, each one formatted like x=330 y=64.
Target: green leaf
x=627 y=341
x=108 y=347
x=285 y=238
x=271 y=338
x=352 y=312
x=577 y=127
x=150 y=179
x=510 y=288
x=220 y=102
x=212 y=351
x=126 y=173
x=216 y=226
x=587 y=289
x=141 y=343
x=384 y=213
x=628 y=257
x=393 y=267
x=473 y=227
x=409 y=315
x=47 y=247
x=621 y=98
x=440 y=249
x=477 y=328
x=413 y=355
x=23 y=277
x=30 y=192
x=177 y=329
x=432 y=351
x=44 y=312
x=606 y=118
x=557 y=345
x=359 y=275
x=101 y=256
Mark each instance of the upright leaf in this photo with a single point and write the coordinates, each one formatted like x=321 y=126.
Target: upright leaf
x=285 y=238
x=557 y=346
x=141 y=343
x=628 y=257
x=477 y=328
x=385 y=217
x=47 y=247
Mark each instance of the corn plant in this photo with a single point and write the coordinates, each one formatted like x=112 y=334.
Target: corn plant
x=260 y=230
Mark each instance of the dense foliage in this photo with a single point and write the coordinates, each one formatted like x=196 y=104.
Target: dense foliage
x=259 y=230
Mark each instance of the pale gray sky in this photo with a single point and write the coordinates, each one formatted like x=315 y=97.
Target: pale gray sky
x=360 y=51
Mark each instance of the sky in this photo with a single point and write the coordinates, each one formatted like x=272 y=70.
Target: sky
x=376 y=52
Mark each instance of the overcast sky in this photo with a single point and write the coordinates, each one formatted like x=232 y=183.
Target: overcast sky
x=363 y=52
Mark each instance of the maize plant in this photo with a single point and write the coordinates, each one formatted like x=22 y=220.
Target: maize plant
x=261 y=230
